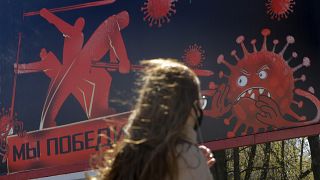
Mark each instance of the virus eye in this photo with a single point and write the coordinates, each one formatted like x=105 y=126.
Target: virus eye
x=242 y=81
x=263 y=74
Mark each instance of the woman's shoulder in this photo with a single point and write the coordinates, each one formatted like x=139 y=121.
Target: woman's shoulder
x=192 y=163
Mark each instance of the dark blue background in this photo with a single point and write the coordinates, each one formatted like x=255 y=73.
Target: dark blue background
x=212 y=24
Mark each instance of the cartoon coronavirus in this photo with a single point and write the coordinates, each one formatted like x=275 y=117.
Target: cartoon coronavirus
x=279 y=9
x=157 y=12
x=194 y=56
x=260 y=89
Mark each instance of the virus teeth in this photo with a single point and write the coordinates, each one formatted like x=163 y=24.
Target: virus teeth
x=253 y=93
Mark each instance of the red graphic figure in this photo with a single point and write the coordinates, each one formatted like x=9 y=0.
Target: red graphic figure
x=157 y=12
x=73 y=7
x=75 y=75
x=260 y=89
x=279 y=9
x=49 y=64
x=8 y=126
x=193 y=56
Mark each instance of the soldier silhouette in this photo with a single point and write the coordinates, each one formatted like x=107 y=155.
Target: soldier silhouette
x=75 y=75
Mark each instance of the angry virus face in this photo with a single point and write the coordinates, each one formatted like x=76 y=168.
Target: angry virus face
x=260 y=88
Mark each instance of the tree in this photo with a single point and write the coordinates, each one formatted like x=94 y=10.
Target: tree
x=314 y=143
x=287 y=159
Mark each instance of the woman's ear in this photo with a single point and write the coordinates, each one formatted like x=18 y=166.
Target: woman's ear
x=191 y=121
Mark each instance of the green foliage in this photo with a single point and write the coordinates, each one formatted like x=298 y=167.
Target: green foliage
x=288 y=159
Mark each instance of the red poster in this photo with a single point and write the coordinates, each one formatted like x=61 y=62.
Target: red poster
x=68 y=72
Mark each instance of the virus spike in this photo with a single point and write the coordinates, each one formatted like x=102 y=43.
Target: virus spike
x=212 y=85
x=302 y=78
x=221 y=60
x=290 y=40
x=293 y=55
x=240 y=41
x=255 y=130
x=311 y=90
x=306 y=63
x=233 y=132
x=253 y=42
x=265 y=33
x=227 y=121
x=245 y=131
x=234 y=54
x=295 y=115
x=299 y=104
x=222 y=75
x=275 y=43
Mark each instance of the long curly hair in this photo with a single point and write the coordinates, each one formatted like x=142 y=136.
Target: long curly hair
x=167 y=92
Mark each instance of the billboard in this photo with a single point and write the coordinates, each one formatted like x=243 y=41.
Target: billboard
x=67 y=76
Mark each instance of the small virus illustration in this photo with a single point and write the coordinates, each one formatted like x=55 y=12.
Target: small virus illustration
x=279 y=9
x=194 y=56
x=260 y=90
x=157 y=12
x=8 y=126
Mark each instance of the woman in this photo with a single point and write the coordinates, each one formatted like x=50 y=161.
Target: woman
x=160 y=141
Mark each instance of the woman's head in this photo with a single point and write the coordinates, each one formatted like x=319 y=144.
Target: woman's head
x=168 y=91
x=168 y=97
